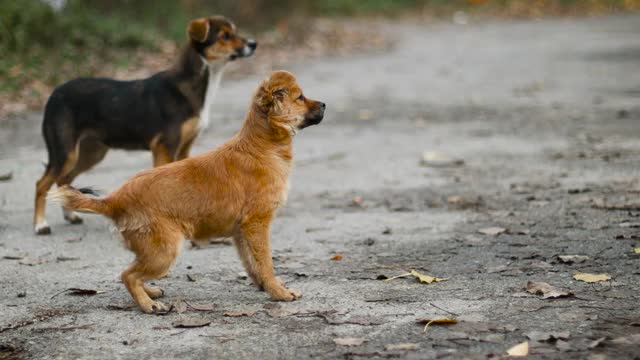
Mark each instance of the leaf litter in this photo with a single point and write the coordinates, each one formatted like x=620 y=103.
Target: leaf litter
x=519 y=350
x=437 y=321
x=349 y=341
x=591 y=278
x=546 y=290
x=425 y=279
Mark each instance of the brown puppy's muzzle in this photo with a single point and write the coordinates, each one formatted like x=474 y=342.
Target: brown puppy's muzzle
x=314 y=115
x=247 y=49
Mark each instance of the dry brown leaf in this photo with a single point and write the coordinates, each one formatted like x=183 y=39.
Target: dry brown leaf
x=521 y=349
x=425 y=279
x=239 y=313
x=492 y=231
x=349 y=341
x=547 y=291
x=337 y=257
x=180 y=306
x=570 y=259
x=201 y=307
x=439 y=321
x=401 y=347
x=591 y=278
x=83 y=292
x=29 y=261
x=191 y=323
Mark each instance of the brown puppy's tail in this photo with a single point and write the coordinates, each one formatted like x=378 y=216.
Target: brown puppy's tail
x=75 y=199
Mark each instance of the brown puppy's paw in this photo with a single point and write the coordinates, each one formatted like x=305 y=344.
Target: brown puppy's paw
x=154 y=292
x=154 y=307
x=285 y=294
x=42 y=229
x=73 y=219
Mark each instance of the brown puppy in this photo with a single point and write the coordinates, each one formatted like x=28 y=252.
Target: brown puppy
x=232 y=191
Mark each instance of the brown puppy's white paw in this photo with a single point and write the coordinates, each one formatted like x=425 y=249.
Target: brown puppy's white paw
x=42 y=229
x=72 y=217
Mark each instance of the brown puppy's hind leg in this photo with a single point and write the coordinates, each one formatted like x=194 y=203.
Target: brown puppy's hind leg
x=90 y=152
x=154 y=256
x=255 y=231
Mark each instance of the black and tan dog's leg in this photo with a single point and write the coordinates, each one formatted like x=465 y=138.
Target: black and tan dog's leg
x=44 y=184
x=90 y=153
x=255 y=232
x=163 y=152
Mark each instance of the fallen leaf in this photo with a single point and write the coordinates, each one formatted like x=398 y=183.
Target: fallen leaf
x=191 y=278
x=332 y=319
x=239 y=313
x=438 y=159
x=83 y=292
x=519 y=350
x=540 y=336
x=633 y=339
x=591 y=278
x=6 y=176
x=439 y=321
x=14 y=257
x=547 y=291
x=570 y=259
x=425 y=279
x=276 y=313
x=179 y=306
x=492 y=231
x=29 y=261
x=66 y=258
x=160 y=328
x=191 y=323
x=201 y=307
x=401 y=347
x=349 y=341
x=636 y=250
x=337 y=257
x=597 y=342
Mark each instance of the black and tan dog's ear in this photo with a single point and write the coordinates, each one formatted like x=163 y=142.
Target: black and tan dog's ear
x=199 y=30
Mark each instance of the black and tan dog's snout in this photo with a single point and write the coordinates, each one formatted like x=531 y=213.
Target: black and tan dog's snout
x=246 y=50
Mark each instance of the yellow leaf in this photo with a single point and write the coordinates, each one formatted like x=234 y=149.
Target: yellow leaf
x=337 y=257
x=591 y=278
x=441 y=321
x=398 y=276
x=519 y=350
x=425 y=279
x=636 y=250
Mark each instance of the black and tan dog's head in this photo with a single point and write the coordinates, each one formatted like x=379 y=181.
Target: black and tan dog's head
x=281 y=99
x=215 y=39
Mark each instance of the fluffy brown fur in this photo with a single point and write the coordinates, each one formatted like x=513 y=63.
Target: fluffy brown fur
x=232 y=191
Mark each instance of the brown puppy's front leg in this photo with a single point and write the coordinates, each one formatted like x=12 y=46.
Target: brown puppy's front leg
x=247 y=260
x=255 y=232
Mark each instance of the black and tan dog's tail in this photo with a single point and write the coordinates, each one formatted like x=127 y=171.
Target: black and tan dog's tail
x=76 y=199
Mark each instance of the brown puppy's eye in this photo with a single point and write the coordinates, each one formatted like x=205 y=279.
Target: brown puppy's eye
x=226 y=36
x=301 y=97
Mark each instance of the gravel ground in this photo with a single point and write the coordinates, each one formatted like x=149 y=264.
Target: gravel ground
x=542 y=120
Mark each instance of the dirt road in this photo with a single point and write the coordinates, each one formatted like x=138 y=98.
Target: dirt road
x=545 y=117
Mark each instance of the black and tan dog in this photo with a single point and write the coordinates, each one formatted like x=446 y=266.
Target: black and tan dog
x=85 y=117
x=232 y=191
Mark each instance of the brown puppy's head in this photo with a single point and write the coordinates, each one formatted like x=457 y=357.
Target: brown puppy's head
x=215 y=38
x=281 y=99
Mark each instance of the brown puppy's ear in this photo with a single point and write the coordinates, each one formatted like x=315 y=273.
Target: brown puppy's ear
x=199 y=29
x=269 y=96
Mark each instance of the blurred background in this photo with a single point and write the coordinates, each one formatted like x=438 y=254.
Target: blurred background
x=46 y=42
